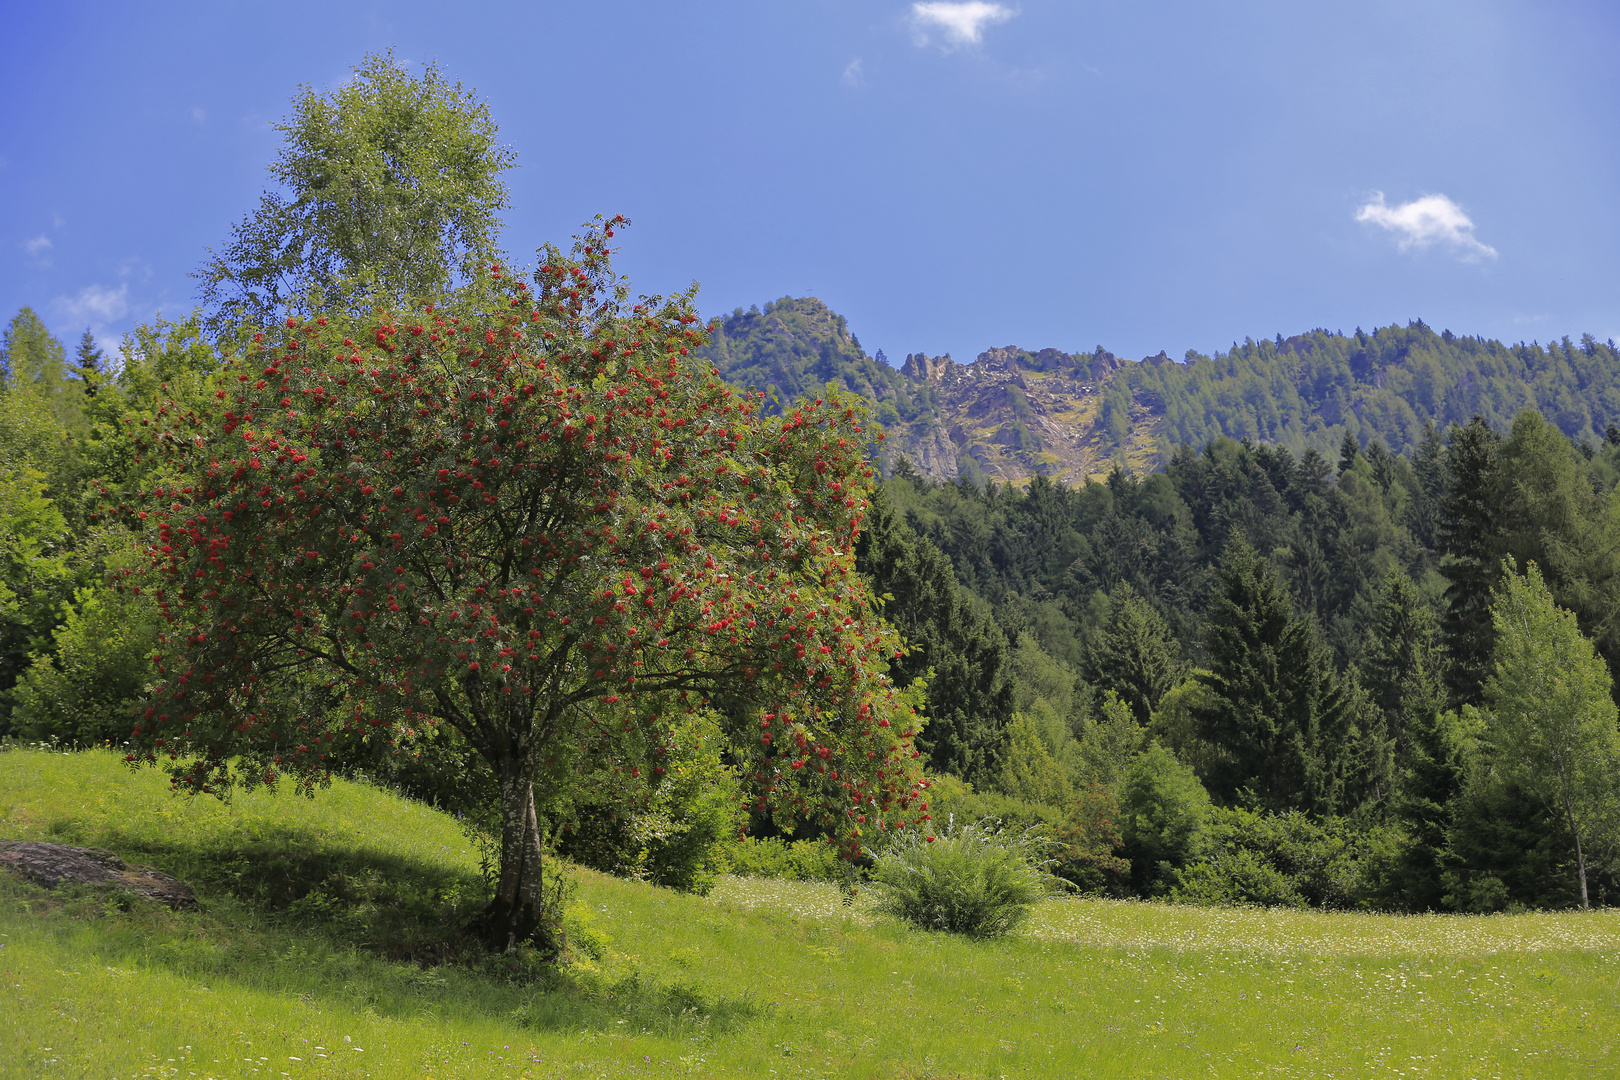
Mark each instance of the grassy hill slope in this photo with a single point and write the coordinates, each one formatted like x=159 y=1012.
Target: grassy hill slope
x=318 y=954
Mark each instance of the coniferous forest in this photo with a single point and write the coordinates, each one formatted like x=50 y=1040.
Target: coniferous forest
x=1265 y=677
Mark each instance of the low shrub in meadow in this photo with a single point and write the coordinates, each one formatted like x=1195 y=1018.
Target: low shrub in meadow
x=978 y=879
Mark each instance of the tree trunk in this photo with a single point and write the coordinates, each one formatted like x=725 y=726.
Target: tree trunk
x=518 y=910
x=1580 y=855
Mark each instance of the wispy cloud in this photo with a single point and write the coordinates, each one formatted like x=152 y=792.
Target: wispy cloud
x=853 y=76
x=1427 y=221
x=37 y=247
x=199 y=115
x=955 y=22
x=96 y=304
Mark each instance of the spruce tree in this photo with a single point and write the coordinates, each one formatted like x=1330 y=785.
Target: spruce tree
x=1428 y=467
x=1472 y=539
x=1403 y=679
x=1138 y=657
x=91 y=362
x=1402 y=664
x=970 y=701
x=1286 y=725
x=1349 y=451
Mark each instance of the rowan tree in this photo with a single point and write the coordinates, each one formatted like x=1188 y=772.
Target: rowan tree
x=528 y=514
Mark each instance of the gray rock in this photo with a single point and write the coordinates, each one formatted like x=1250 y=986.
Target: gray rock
x=52 y=865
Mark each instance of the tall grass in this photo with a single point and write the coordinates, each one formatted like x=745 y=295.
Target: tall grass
x=761 y=977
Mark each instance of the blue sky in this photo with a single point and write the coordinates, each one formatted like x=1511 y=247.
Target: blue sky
x=951 y=176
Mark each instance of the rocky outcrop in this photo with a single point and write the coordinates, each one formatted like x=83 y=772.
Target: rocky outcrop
x=1017 y=414
x=919 y=367
x=928 y=447
x=54 y=865
x=1011 y=414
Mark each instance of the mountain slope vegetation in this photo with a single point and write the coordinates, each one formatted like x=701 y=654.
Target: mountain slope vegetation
x=1015 y=413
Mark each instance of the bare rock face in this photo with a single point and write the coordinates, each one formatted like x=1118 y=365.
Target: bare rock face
x=1013 y=414
x=52 y=865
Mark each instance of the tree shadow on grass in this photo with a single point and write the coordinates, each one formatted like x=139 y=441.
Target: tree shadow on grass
x=290 y=911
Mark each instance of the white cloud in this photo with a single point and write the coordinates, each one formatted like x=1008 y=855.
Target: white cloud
x=1431 y=219
x=37 y=245
x=959 y=22
x=853 y=75
x=198 y=115
x=96 y=303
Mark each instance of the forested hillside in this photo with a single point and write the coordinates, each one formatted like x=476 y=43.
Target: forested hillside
x=1315 y=645
x=1015 y=413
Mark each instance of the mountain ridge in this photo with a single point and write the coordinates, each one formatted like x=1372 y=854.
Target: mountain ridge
x=1012 y=413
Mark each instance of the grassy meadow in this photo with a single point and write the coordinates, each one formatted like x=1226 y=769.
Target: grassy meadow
x=327 y=946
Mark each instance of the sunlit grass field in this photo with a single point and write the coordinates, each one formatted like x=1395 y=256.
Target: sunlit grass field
x=326 y=948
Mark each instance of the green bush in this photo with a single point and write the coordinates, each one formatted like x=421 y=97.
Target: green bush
x=773 y=857
x=1164 y=812
x=952 y=799
x=1236 y=876
x=1289 y=860
x=86 y=690
x=674 y=831
x=975 y=879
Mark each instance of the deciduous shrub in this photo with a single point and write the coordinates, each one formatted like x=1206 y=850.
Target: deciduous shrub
x=773 y=857
x=1288 y=860
x=1164 y=810
x=977 y=879
x=953 y=799
x=670 y=833
x=1087 y=841
x=85 y=691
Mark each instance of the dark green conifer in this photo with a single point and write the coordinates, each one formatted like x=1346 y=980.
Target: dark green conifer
x=1138 y=657
x=970 y=701
x=1472 y=539
x=1287 y=726
x=91 y=362
x=1403 y=678
x=1349 y=450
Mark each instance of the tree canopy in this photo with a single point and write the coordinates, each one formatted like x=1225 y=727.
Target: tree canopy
x=1552 y=728
x=528 y=515
x=386 y=188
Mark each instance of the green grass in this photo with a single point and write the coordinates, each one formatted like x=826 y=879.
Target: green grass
x=330 y=928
